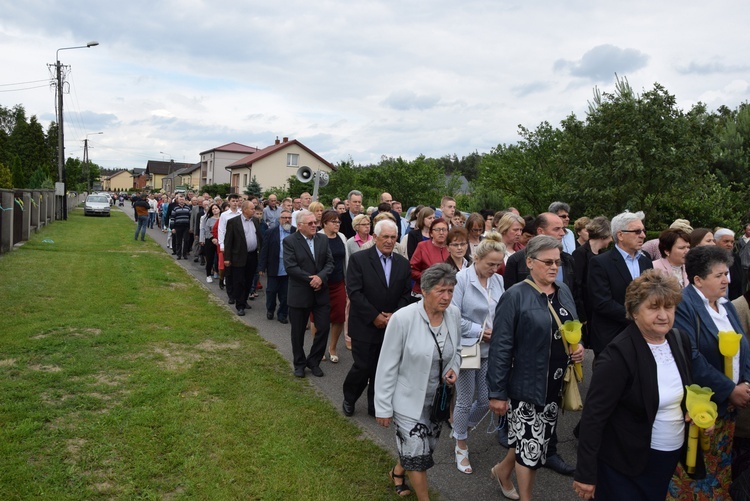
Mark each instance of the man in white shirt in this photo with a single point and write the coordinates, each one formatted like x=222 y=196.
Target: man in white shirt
x=232 y=212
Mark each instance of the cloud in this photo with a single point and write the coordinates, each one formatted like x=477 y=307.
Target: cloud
x=711 y=67
x=602 y=62
x=524 y=90
x=408 y=100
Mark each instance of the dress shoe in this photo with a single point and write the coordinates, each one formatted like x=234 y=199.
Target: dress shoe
x=231 y=301
x=269 y=315
x=299 y=372
x=557 y=464
x=241 y=312
x=179 y=258
x=348 y=408
x=195 y=260
x=316 y=371
x=283 y=320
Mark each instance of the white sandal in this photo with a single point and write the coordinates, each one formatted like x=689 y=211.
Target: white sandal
x=462 y=454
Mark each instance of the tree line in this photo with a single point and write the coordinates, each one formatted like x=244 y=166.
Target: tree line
x=28 y=154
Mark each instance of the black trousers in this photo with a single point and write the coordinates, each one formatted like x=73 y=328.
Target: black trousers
x=180 y=239
x=363 y=370
x=209 y=251
x=242 y=280
x=298 y=321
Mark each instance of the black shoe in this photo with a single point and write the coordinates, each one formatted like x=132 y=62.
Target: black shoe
x=316 y=371
x=179 y=258
x=195 y=260
x=299 y=372
x=231 y=300
x=241 y=312
x=203 y=261
x=221 y=284
x=269 y=315
x=283 y=320
x=557 y=464
x=348 y=408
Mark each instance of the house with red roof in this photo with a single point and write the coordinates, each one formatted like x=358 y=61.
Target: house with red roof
x=273 y=165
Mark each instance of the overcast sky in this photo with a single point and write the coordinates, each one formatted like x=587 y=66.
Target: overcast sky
x=357 y=79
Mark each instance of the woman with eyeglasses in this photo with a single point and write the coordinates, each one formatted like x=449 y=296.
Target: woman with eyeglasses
x=476 y=294
x=429 y=252
x=336 y=286
x=527 y=360
x=421 y=231
x=361 y=225
x=475 y=228
x=458 y=244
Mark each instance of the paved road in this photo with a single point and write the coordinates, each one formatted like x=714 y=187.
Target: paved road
x=444 y=476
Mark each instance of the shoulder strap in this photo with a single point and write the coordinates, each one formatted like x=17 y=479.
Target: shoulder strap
x=554 y=314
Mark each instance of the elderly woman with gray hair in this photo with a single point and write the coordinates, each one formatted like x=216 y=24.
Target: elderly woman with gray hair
x=527 y=360
x=420 y=339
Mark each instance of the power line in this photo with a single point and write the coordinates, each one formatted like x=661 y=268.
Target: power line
x=25 y=88
x=23 y=83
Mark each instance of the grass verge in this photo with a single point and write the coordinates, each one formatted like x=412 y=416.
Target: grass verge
x=121 y=377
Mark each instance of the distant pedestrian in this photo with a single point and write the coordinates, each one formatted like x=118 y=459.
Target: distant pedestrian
x=141 y=207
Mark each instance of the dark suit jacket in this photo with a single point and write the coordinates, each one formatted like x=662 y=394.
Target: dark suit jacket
x=346 y=225
x=369 y=295
x=300 y=264
x=737 y=277
x=395 y=215
x=608 y=278
x=269 y=253
x=516 y=270
x=235 y=246
x=708 y=363
x=622 y=402
x=581 y=257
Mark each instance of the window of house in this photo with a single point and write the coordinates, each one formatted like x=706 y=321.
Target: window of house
x=244 y=179
x=292 y=159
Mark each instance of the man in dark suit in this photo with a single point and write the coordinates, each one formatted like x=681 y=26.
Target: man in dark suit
x=378 y=284
x=516 y=271
x=610 y=274
x=355 y=208
x=272 y=265
x=308 y=262
x=241 y=243
x=725 y=239
x=386 y=201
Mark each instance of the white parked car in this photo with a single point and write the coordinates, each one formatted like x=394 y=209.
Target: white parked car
x=96 y=205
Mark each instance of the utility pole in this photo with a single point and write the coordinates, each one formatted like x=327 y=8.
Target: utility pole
x=61 y=190
x=86 y=162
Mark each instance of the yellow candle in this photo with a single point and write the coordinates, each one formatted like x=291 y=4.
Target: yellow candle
x=729 y=345
x=571 y=330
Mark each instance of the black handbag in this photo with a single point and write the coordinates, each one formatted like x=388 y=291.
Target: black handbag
x=441 y=402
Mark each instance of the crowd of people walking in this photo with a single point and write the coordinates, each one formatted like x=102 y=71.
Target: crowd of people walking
x=451 y=316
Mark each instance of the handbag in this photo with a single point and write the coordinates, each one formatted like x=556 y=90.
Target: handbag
x=571 y=395
x=441 y=402
x=470 y=357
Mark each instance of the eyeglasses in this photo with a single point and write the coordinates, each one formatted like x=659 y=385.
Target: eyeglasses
x=440 y=230
x=361 y=224
x=564 y=216
x=312 y=223
x=334 y=221
x=639 y=231
x=458 y=244
x=549 y=262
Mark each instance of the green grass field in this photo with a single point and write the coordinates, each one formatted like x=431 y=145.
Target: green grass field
x=122 y=377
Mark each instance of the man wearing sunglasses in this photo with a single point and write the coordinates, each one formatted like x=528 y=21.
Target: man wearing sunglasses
x=610 y=273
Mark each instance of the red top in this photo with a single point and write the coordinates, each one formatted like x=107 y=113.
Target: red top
x=425 y=255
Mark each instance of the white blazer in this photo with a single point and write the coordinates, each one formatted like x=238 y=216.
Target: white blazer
x=472 y=300
x=406 y=359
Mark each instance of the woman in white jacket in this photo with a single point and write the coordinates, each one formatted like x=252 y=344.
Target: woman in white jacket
x=419 y=339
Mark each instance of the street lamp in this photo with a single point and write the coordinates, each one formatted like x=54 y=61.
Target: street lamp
x=60 y=131
x=86 y=160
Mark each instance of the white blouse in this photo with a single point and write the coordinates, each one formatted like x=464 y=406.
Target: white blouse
x=669 y=424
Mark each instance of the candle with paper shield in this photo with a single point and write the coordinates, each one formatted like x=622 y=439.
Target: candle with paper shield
x=729 y=345
x=572 y=332
x=703 y=413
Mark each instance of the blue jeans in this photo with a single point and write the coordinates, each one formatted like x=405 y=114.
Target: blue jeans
x=151 y=219
x=142 y=223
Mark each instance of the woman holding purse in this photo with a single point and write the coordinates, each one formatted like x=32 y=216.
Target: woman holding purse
x=477 y=292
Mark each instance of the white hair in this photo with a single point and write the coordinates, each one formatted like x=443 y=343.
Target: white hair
x=621 y=221
x=722 y=232
x=384 y=223
x=302 y=213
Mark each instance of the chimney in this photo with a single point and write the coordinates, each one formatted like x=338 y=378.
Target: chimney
x=286 y=139
x=277 y=140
